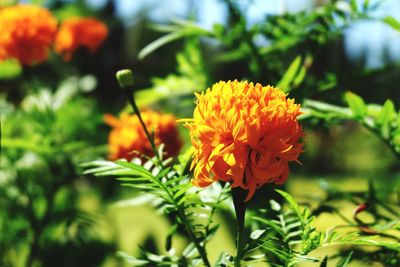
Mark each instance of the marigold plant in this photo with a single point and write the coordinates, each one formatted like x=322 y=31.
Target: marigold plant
x=26 y=33
x=80 y=32
x=128 y=139
x=245 y=134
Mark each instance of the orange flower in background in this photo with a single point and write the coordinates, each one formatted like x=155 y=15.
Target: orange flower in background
x=80 y=32
x=128 y=140
x=26 y=33
x=244 y=134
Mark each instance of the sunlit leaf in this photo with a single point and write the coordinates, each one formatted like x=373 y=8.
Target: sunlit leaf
x=392 y=22
x=356 y=104
x=387 y=113
x=290 y=74
x=292 y=202
x=132 y=260
x=184 y=28
x=148 y=49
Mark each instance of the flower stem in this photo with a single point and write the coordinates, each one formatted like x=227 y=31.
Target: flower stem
x=238 y=196
x=188 y=226
x=132 y=102
x=125 y=81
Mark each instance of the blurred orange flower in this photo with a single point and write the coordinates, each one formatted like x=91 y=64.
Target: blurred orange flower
x=244 y=134
x=26 y=33
x=128 y=139
x=80 y=32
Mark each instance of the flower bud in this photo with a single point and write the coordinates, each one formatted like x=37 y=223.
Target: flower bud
x=124 y=78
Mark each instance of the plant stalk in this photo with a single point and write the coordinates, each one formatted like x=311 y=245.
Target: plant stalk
x=128 y=92
x=238 y=196
x=137 y=112
x=189 y=229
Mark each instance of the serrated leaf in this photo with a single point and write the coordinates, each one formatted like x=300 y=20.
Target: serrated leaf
x=271 y=224
x=294 y=225
x=135 y=167
x=292 y=202
x=294 y=234
x=356 y=104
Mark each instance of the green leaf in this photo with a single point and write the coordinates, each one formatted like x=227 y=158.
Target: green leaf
x=257 y=234
x=139 y=169
x=292 y=202
x=162 y=173
x=10 y=69
x=132 y=260
x=356 y=104
x=353 y=4
x=300 y=77
x=392 y=22
x=344 y=262
x=148 y=49
x=275 y=205
x=218 y=30
x=387 y=113
x=274 y=226
x=290 y=74
x=184 y=28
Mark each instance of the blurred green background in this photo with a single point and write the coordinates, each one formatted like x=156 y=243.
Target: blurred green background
x=52 y=113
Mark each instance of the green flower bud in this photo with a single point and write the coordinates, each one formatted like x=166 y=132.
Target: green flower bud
x=124 y=78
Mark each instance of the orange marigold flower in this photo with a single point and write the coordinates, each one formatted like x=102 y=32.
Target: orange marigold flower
x=26 y=33
x=80 y=32
x=128 y=139
x=244 y=134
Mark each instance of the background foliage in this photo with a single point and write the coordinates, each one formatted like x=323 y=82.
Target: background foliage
x=345 y=205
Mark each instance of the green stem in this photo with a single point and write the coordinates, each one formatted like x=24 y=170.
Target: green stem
x=199 y=247
x=238 y=196
x=150 y=137
x=189 y=229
